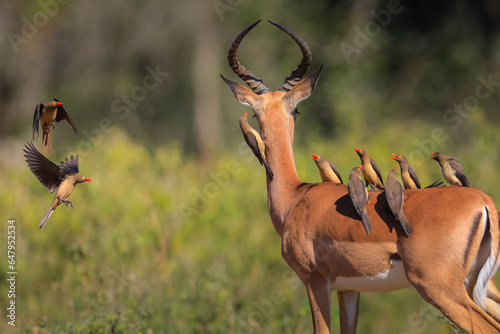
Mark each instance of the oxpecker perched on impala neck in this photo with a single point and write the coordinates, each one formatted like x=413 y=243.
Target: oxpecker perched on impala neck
x=254 y=140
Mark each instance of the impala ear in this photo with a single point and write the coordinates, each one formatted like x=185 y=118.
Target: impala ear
x=243 y=94
x=302 y=90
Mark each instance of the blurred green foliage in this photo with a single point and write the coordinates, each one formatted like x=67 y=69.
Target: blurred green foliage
x=160 y=244
x=173 y=233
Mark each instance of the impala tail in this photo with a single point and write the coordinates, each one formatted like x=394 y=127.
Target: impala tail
x=486 y=260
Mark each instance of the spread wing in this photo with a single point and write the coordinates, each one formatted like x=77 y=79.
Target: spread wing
x=62 y=114
x=69 y=166
x=36 y=119
x=336 y=171
x=414 y=176
x=47 y=172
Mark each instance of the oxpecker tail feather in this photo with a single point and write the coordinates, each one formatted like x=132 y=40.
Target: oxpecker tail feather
x=268 y=170
x=435 y=184
x=46 y=217
x=46 y=142
x=366 y=222
x=404 y=223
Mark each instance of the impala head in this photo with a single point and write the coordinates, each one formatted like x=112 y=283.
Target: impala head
x=278 y=108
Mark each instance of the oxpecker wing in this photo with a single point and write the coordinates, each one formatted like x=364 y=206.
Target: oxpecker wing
x=257 y=145
x=359 y=197
x=47 y=172
x=336 y=171
x=395 y=197
x=36 y=119
x=62 y=114
x=70 y=166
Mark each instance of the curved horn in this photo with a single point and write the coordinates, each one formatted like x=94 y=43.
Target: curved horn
x=301 y=69
x=250 y=79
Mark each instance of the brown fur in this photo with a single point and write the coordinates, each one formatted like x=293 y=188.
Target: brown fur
x=325 y=244
x=323 y=239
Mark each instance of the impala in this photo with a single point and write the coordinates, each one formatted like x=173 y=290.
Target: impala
x=450 y=258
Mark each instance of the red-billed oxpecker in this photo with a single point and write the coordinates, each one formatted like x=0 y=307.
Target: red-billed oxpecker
x=370 y=170
x=451 y=169
x=327 y=170
x=254 y=140
x=359 y=197
x=62 y=178
x=408 y=175
x=395 y=197
x=46 y=114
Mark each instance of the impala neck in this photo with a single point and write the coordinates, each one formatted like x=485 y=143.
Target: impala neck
x=282 y=189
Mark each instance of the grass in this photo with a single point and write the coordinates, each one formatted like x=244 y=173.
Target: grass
x=154 y=244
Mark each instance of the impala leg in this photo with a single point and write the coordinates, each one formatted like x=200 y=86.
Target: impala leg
x=318 y=291
x=493 y=301
x=451 y=298
x=493 y=292
x=348 y=309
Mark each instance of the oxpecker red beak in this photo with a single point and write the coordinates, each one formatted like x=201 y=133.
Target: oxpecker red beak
x=315 y=157
x=395 y=156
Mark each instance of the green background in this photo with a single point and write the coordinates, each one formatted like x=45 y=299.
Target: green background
x=173 y=234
